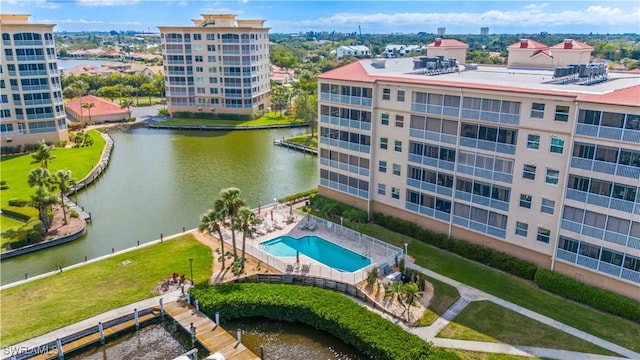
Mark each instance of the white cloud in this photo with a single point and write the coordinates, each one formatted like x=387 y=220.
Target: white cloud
x=531 y=15
x=11 y=2
x=88 y=22
x=183 y=3
x=106 y=2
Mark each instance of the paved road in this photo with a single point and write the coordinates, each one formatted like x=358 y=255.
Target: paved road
x=148 y=113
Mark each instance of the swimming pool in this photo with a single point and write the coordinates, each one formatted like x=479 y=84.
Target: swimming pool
x=317 y=248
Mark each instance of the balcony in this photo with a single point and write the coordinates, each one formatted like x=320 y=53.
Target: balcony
x=604 y=201
x=488 y=145
x=427 y=211
x=34 y=87
x=605 y=132
x=345 y=167
x=38 y=102
x=346 y=145
x=33 y=72
x=484 y=173
x=29 y=57
x=346 y=99
x=432 y=135
x=353 y=124
x=27 y=42
x=605 y=167
x=344 y=188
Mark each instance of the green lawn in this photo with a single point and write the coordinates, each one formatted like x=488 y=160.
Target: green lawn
x=15 y=169
x=473 y=355
x=272 y=118
x=444 y=295
x=305 y=140
x=50 y=303
x=7 y=223
x=142 y=101
x=524 y=293
x=486 y=321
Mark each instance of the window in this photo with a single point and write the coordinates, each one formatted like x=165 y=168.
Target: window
x=382 y=166
x=398 y=146
x=395 y=193
x=396 y=169
x=544 y=235
x=533 y=142
x=382 y=189
x=562 y=113
x=522 y=229
x=400 y=97
x=548 y=206
x=399 y=121
x=384 y=143
x=197 y=37
x=552 y=177
x=386 y=94
x=529 y=172
x=537 y=111
x=557 y=145
x=525 y=201
x=384 y=119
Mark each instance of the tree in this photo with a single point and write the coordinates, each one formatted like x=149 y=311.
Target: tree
x=210 y=222
x=42 y=199
x=149 y=90
x=228 y=204
x=127 y=104
x=246 y=221
x=43 y=155
x=410 y=293
x=280 y=98
x=306 y=109
x=110 y=92
x=63 y=180
x=88 y=106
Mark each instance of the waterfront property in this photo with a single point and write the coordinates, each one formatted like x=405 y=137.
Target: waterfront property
x=31 y=92
x=220 y=65
x=536 y=163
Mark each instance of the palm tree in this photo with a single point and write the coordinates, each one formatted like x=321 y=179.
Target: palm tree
x=43 y=155
x=394 y=290
x=126 y=104
x=246 y=221
x=42 y=199
x=88 y=106
x=228 y=204
x=63 y=180
x=410 y=293
x=211 y=222
x=39 y=177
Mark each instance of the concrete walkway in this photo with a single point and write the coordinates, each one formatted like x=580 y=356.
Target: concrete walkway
x=469 y=294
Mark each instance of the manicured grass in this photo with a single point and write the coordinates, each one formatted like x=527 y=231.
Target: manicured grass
x=15 y=169
x=444 y=295
x=486 y=321
x=50 y=303
x=305 y=140
x=142 y=101
x=524 y=293
x=7 y=223
x=272 y=118
x=473 y=355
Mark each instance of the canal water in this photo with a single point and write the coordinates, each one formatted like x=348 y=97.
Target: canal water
x=160 y=181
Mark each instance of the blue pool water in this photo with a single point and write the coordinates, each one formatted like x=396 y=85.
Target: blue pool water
x=317 y=248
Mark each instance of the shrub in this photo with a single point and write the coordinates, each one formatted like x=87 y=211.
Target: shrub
x=74 y=214
x=61 y=143
x=20 y=213
x=18 y=202
x=324 y=310
x=164 y=112
x=4 y=187
x=7 y=150
x=213 y=116
x=298 y=196
x=476 y=252
x=600 y=299
x=335 y=210
x=30 y=147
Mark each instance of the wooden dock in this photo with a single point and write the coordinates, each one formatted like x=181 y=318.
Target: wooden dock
x=214 y=338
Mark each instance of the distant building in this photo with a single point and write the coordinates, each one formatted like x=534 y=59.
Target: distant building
x=114 y=68
x=442 y=31
x=102 y=111
x=449 y=48
x=484 y=31
x=393 y=51
x=280 y=75
x=531 y=54
x=219 y=64
x=30 y=90
x=356 y=50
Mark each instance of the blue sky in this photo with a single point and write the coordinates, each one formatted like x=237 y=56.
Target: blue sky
x=459 y=17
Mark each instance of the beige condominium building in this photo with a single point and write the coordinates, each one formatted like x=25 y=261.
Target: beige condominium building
x=543 y=164
x=31 y=106
x=218 y=65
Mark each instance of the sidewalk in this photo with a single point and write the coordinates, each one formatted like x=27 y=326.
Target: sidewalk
x=469 y=294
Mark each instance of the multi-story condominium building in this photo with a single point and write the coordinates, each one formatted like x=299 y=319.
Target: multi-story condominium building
x=31 y=103
x=541 y=167
x=219 y=65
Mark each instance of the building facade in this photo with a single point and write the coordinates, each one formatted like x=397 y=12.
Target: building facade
x=547 y=172
x=31 y=103
x=219 y=65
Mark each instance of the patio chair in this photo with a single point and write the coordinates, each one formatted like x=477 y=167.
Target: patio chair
x=313 y=225
x=303 y=224
x=305 y=268
x=289 y=268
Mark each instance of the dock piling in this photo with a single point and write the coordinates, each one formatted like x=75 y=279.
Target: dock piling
x=59 y=346
x=101 y=329
x=135 y=317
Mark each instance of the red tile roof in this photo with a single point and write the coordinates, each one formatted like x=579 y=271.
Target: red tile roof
x=351 y=72
x=629 y=96
x=448 y=43
x=573 y=45
x=543 y=52
x=529 y=44
x=102 y=106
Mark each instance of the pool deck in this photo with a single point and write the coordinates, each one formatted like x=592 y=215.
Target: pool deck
x=281 y=222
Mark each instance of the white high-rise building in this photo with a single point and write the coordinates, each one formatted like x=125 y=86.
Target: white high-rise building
x=218 y=65
x=31 y=105
x=542 y=167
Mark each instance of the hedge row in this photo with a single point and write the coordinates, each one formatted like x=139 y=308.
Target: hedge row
x=322 y=309
x=476 y=252
x=600 y=299
x=296 y=197
x=335 y=209
x=20 y=213
x=212 y=116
